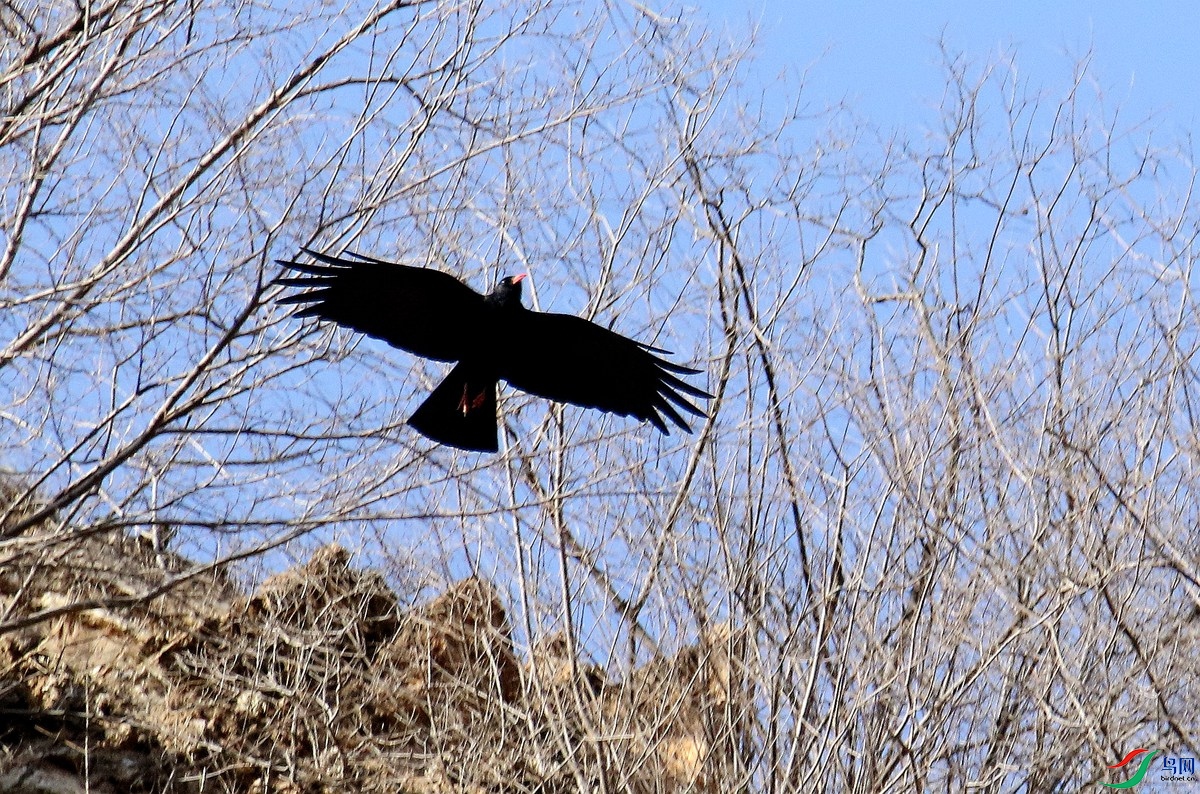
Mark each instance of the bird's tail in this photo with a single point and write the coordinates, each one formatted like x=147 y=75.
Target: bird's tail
x=461 y=411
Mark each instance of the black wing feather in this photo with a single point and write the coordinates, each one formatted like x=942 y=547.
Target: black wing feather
x=572 y=360
x=421 y=310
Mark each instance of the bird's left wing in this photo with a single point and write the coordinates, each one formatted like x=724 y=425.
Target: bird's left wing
x=572 y=360
x=421 y=310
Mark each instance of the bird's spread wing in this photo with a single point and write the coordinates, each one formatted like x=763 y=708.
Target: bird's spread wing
x=570 y=359
x=423 y=311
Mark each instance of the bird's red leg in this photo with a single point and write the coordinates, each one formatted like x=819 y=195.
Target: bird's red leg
x=468 y=403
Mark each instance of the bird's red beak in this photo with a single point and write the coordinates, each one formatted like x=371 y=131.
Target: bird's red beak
x=517 y=279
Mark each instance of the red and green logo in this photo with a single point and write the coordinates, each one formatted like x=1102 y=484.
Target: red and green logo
x=1143 y=767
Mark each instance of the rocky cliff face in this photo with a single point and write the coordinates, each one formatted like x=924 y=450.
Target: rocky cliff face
x=320 y=682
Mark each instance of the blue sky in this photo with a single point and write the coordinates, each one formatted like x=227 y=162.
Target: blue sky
x=883 y=58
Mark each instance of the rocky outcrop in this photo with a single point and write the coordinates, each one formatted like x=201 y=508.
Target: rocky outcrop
x=320 y=681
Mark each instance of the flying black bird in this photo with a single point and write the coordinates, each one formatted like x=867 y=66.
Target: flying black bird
x=492 y=337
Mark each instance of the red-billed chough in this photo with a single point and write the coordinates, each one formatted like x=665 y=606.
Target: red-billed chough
x=492 y=337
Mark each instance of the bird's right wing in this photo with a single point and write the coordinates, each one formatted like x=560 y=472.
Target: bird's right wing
x=423 y=311
x=572 y=360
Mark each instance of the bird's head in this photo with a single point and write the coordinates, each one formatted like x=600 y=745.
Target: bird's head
x=507 y=294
